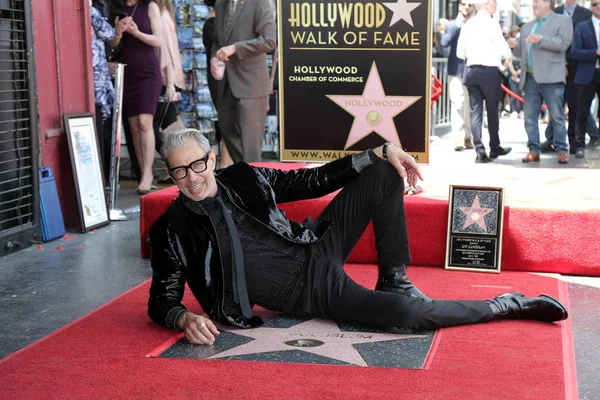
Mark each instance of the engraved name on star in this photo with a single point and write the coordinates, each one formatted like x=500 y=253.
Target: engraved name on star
x=316 y=336
x=373 y=111
x=402 y=10
x=475 y=214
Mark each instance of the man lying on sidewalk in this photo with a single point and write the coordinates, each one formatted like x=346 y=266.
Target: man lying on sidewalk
x=226 y=237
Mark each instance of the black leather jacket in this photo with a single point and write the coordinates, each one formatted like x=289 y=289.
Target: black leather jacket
x=185 y=246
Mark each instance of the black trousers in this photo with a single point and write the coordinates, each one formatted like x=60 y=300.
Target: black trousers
x=585 y=96
x=484 y=84
x=328 y=292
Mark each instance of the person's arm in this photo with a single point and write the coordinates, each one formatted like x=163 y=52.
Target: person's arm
x=577 y=51
x=446 y=39
x=461 y=46
x=274 y=67
x=121 y=26
x=264 y=41
x=167 y=289
x=102 y=28
x=562 y=40
x=513 y=72
x=306 y=183
x=499 y=41
x=404 y=163
x=153 y=39
x=166 y=58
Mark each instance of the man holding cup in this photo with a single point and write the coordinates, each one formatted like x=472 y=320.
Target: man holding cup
x=245 y=33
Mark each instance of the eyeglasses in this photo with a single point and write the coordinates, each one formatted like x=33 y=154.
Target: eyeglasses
x=197 y=166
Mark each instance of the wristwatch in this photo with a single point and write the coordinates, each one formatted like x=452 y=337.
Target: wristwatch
x=384 y=149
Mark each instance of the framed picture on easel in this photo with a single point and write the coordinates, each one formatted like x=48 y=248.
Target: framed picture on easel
x=87 y=170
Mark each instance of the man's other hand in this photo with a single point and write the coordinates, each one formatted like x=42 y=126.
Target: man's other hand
x=198 y=329
x=512 y=43
x=405 y=164
x=225 y=52
x=533 y=38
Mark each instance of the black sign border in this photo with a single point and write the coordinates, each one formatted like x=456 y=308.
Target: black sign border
x=419 y=156
x=498 y=236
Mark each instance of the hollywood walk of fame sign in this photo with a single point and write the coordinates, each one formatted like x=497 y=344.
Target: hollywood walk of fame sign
x=475 y=219
x=313 y=341
x=353 y=75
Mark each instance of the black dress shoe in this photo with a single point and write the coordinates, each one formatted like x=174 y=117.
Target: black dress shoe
x=482 y=158
x=515 y=306
x=579 y=153
x=547 y=147
x=394 y=280
x=500 y=151
x=572 y=151
x=593 y=143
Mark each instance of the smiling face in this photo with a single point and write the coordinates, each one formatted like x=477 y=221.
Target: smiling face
x=541 y=8
x=196 y=185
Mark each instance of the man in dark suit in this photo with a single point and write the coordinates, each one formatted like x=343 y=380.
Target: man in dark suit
x=245 y=33
x=578 y=14
x=587 y=78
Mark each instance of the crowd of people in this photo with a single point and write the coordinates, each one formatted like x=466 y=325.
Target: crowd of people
x=548 y=63
x=142 y=35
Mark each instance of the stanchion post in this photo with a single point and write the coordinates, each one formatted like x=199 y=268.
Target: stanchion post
x=115 y=150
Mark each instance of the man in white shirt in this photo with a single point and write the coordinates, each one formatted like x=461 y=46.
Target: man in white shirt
x=482 y=45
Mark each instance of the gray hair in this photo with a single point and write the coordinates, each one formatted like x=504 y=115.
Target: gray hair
x=481 y=4
x=179 y=138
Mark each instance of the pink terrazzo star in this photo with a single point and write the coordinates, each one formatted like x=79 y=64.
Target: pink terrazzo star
x=373 y=111
x=317 y=336
x=475 y=214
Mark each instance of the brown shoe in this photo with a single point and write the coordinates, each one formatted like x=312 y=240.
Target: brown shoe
x=469 y=144
x=531 y=157
x=563 y=158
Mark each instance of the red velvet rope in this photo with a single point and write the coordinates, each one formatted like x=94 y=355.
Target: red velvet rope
x=516 y=96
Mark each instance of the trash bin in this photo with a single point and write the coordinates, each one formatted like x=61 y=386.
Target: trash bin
x=53 y=225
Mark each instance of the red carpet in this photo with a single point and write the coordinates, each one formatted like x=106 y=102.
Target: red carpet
x=102 y=356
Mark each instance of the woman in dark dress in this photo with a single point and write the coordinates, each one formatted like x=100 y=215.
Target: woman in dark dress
x=143 y=80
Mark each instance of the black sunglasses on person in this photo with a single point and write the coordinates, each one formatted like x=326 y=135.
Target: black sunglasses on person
x=197 y=166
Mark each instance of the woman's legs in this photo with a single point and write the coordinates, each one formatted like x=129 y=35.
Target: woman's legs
x=143 y=141
x=224 y=156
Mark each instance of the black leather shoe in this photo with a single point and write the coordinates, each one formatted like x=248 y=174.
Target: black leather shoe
x=572 y=151
x=500 y=151
x=593 y=143
x=547 y=147
x=482 y=158
x=515 y=306
x=579 y=153
x=394 y=280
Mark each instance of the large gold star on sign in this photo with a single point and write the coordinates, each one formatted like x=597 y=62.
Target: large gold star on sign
x=373 y=111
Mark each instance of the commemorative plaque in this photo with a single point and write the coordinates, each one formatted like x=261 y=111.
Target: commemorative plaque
x=474 y=239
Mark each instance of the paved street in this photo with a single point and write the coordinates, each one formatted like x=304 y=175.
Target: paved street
x=512 y=134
